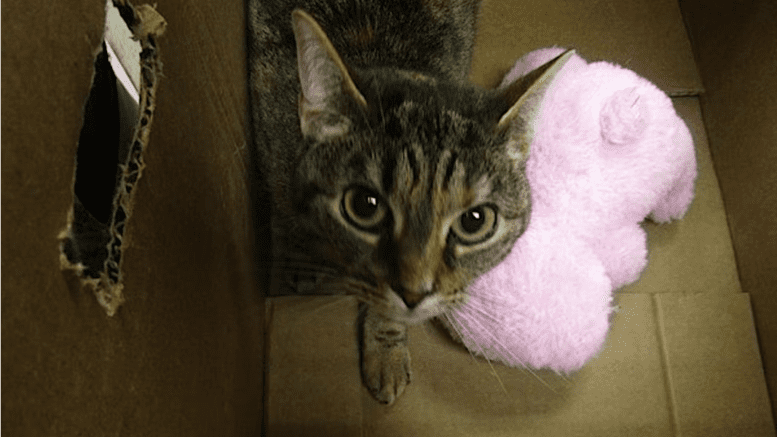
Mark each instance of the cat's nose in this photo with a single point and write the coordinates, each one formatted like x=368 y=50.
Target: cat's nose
x=411 y=299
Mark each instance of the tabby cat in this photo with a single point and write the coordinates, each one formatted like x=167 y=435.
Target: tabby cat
x=390 y=177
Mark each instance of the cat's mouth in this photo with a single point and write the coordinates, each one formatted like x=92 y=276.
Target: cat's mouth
x=415 y=310
x=402 y=306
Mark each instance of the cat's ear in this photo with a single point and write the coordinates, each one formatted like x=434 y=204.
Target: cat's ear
x=526 y=95
x=325 y=82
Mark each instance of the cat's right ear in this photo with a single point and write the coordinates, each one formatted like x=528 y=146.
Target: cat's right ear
x=525 y=97
x=325 y=82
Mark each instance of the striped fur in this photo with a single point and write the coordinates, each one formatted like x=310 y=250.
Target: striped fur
x=367 y=100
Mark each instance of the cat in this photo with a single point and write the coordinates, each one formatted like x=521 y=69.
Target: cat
x=391 y=177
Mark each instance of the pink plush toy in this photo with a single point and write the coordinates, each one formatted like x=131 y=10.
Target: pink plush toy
x=609 y=151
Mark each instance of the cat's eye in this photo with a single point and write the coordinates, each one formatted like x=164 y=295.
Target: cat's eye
x=475 y=225
x=363 y=208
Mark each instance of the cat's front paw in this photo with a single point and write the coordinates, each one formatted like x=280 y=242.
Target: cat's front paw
x=385 y=357
x=386 y=370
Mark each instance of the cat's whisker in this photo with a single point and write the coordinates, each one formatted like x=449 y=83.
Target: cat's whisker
x=429 y=330
x=453 y=323
x=482 y=352
x=333 y=289
x=534 y=374
x=471 y=318
x=328 y=305
x=363 y=290
x=522 y=368
x=340 y=285
x=285 y=263
x=484 y=298
x=474 y=306
x=475 y=319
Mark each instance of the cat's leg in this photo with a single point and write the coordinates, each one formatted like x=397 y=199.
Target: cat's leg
x=385 y=357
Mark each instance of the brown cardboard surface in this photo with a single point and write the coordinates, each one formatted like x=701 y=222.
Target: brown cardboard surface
x=463 y=396
x=736 y=49
x=714 y=368
x=40 y=127
x=313 y=384
x=183 y=355
x=681 y=358
x=646 y=36
x=674 y=364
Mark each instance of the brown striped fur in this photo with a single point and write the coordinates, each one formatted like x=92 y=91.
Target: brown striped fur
x=371 y=95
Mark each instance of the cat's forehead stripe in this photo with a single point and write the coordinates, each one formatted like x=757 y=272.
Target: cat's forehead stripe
x=483 y=188
x=389 y=169
x=412 y=161
x=408 y=176
x=413 y=165
x=373 y=172
x=403 y=172
x=450 y=166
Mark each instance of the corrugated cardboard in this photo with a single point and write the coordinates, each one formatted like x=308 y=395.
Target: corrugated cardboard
x=185 y=353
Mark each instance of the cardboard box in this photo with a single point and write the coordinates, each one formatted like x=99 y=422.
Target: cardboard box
x=196 y=348
x=183 y=355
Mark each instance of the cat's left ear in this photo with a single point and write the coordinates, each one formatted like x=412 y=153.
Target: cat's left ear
x=526 y=95
x=324 y=80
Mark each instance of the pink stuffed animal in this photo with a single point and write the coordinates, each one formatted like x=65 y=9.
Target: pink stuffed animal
x=609 y=150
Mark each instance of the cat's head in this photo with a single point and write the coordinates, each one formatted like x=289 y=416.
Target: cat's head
x=410 y=185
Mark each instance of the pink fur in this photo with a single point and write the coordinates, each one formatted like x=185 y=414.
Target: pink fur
x=609 y=151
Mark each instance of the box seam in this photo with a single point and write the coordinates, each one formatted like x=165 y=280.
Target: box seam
x=665 y=364
x=269 y=309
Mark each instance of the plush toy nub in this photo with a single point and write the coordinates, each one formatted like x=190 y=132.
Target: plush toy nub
x=609 y=151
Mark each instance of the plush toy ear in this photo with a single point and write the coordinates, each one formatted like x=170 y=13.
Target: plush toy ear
x=526 y=95
x=324 y=81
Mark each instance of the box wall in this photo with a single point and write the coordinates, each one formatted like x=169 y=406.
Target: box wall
x=640 y=35
x=183 y=355
x=735 y=44
x=51 y=359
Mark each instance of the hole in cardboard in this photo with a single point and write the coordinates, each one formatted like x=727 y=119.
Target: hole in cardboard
x=118 y=114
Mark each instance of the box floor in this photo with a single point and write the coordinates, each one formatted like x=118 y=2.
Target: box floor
x=681 y=358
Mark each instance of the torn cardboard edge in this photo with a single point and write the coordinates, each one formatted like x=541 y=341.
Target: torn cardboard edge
x=86 y=236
